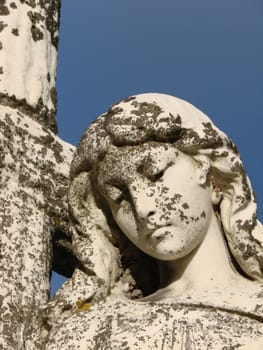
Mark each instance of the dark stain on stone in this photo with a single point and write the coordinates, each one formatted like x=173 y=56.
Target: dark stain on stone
x=40 y=113
x=145 y=108
x=31 y=3
x=1 y=70
x=4 y=11
x=15 y=31
x=13 y=5
x=53 y=94
x=36 y=33
x=203 y=214
x=247 y=225
x=1 y=45
x=128 y=99
x=37 y=20
x=224 y=154
x=2 y=26
x=52 y=9
x=50 y=20
x=178 y=120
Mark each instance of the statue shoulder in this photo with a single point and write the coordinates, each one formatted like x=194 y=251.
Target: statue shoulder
x=127 y=324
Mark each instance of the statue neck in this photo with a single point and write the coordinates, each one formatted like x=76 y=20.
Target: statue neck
x=207 y=268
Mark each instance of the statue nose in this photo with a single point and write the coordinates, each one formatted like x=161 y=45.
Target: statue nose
x=144 y=203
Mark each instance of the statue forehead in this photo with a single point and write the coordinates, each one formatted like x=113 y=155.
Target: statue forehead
x=147 y=156
x=153 y=151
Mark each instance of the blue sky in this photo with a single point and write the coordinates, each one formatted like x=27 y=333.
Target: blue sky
x=207 y=52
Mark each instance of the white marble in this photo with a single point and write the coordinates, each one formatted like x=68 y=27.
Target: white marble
x=28 y=59
x=164 y=224
x=34 y=171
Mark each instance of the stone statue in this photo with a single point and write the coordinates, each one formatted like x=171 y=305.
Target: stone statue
x=166 y=234
x=34 y=169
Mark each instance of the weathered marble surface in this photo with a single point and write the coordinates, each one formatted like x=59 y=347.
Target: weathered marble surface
x=155 y=171
x=34 y=168
x=28 y=57
x=169 y=324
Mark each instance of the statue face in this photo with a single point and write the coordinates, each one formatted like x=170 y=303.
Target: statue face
x=156 y=197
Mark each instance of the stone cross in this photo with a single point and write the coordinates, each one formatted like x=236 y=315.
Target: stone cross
x=34 y=165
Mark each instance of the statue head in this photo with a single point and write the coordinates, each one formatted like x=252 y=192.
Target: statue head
x=153 y=167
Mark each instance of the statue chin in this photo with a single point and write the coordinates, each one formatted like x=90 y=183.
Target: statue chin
x=163 y=220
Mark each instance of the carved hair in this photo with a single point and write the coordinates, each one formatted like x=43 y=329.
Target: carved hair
x=165 y=119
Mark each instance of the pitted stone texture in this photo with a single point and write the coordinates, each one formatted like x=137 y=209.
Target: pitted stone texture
x=159 y=118
x=28 y=60
x=34 y=168
x=177 y=325
x=203 y=300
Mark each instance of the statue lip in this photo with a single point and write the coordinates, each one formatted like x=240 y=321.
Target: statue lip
x=159 y=232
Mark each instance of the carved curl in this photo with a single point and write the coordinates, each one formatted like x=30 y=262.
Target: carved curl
x=164 y=119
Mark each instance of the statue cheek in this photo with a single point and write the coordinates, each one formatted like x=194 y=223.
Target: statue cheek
x=168 y=202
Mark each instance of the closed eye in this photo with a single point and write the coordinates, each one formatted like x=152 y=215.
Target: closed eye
x=116 y=194
x=157 y=176
x=151 y=176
